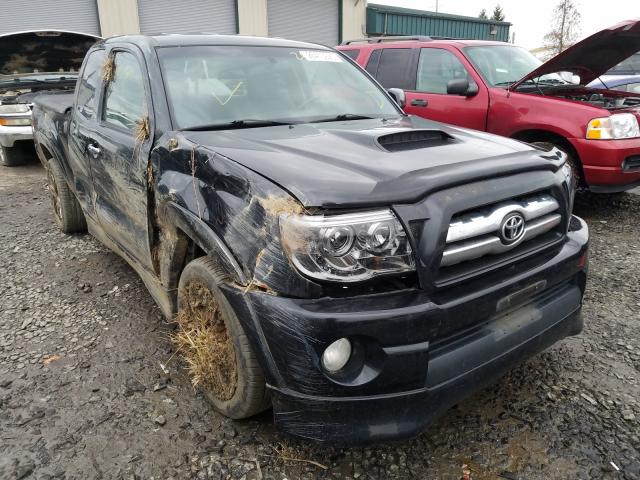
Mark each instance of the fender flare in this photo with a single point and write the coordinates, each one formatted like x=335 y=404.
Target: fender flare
x=198 y=231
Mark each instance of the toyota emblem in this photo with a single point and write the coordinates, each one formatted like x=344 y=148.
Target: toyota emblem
x=512 y=228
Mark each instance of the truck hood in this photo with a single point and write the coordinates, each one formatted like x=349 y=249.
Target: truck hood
x=372 y=162
x=593 y=56
x=50 y=51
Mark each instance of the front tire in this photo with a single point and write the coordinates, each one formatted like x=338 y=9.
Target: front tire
x=66 y=209
x=215 y=346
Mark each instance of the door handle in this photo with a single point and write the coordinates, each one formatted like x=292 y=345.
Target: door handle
x=419 y=102
x=95 y=151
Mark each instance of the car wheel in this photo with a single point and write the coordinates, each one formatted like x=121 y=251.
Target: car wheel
x=66 y=209
x=12 y=156
x=574 y=163
x=214 y=345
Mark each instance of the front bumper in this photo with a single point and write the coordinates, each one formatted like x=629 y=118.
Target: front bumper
x=603 y=164
x=10 y=135
x=422 y=354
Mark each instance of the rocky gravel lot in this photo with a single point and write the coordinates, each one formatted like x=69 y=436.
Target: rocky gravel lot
x=89 y=386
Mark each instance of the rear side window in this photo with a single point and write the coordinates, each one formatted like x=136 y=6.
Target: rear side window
x=436 y=68
x=394 y=68
x=124 y=98
x=372 y=63
x=352 y=54
x=86 y=102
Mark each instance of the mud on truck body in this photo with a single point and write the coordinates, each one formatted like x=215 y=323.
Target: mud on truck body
x=358 y=269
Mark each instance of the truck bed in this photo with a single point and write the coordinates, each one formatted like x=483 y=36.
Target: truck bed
x=55 y=102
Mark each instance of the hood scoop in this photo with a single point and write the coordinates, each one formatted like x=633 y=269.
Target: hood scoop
x=413 y=140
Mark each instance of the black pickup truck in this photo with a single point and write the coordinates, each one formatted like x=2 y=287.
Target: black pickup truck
x=355 y=268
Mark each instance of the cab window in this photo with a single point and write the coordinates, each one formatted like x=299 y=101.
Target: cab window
x=124 y=98
x=88 y=83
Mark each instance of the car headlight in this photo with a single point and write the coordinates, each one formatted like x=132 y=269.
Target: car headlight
x=14 y=108
x=14 y=122
x=619 y=125
x=347 y=248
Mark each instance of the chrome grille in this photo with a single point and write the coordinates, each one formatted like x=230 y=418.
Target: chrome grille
x=483 y=232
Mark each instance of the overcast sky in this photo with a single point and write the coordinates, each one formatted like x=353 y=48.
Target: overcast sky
x=531 y=19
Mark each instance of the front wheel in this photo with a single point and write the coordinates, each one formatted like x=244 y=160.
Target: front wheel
x=214 y=345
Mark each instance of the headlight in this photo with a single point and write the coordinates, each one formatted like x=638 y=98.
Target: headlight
x=14 y=122
x=619 y=125
x=14 y=108
x=347 y=248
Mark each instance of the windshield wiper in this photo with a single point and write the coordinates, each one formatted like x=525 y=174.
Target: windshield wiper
x=502 y=84
x=38 y=81
x=343 y=116
x=21 y=80
x=236 y=124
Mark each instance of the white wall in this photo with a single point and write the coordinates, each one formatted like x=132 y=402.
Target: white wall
x=252 y=17
x=118 y=17
x=354 y=18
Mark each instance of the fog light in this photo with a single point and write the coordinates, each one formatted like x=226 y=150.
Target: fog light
x=336 y=355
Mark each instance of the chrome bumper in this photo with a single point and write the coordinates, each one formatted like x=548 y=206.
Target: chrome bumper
x=9 y=135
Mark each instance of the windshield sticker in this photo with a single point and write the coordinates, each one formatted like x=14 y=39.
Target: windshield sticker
x=238 y=91
x=317 y=56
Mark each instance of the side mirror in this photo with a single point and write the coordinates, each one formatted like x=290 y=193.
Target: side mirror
x=461 y=86
x=399 y=96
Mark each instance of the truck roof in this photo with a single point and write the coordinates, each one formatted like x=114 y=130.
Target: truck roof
x=178 y=40
x=410 y=42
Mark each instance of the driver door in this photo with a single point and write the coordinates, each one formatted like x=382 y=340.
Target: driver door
x=119 y=154
x=436 y=67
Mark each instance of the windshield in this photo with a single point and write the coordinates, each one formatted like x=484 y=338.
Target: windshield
x=214 y=85
x=502 y=65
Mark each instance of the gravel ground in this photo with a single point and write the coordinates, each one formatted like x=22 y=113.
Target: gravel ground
x=89 y=387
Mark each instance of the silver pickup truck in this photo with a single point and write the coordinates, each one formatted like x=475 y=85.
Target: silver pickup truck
x=32 y=63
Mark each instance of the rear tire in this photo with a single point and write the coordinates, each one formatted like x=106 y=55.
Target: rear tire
x=12 y=156
x=215 y=346
x=66 y=209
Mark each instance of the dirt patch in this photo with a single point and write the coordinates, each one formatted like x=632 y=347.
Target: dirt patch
x=108 y=69
x=277 y=205
x=204 y=343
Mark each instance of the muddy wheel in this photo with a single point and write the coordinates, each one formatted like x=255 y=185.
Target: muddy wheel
x=214 y=345
x=574 y=163
x=66 y=209
x=12 y=156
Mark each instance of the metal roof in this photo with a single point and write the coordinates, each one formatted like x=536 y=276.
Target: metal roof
x=383 y=20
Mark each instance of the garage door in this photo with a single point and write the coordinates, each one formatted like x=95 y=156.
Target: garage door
x=187 y=16
x=74 y=15
x=314 y=21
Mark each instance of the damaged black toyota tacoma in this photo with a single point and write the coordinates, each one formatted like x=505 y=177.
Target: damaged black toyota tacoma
x=355 y=268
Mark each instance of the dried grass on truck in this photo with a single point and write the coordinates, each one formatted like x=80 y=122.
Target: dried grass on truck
x=204 y=342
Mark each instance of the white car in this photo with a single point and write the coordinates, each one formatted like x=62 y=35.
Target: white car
x=32 y=63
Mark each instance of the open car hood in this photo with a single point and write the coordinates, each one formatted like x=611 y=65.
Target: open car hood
x=594 y=55
x=43 y=51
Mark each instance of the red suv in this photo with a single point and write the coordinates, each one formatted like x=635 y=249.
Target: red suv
x=503 y=89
